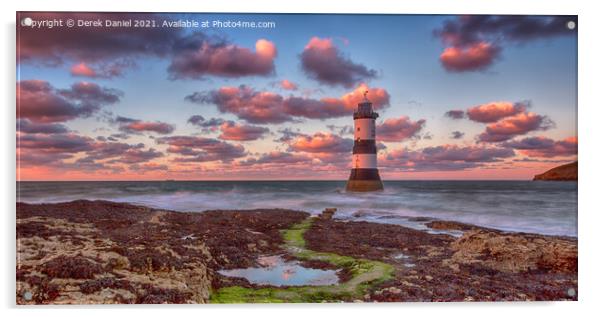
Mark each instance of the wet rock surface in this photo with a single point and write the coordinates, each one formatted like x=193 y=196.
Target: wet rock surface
x=90 y=252
x=482 y=265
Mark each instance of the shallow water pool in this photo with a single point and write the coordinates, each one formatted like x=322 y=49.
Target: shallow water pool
x=276 y=271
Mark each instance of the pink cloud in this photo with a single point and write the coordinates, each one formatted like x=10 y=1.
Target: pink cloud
x=509 y=127
x=129 y=125
x=105 y=70
x=206 y=57
x=267 y=107
x=443 y=158
x=246 y=103
x=38 y=101
x=321 y=143
x=544 y=147
x=82 y=69
x=494 y=111
x=54 y=149
x=475 y=42
x=239 y=132
x=398 y=129
x=199 y=149
x=323 y=61
x=288 y=85
x=477 y=56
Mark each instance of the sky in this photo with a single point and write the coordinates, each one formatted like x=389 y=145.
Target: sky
x=459 y=97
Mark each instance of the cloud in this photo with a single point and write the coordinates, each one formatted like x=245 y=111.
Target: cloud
x=134 y=156
x=494 y=111
x=200 y=149
x=277 y=158
x=509 y=127
x=39 y=102
x=107 y=52
x=210 y=125
x=106 y=150
x=475 y=42
x=129 y=125
x=239 y=132
x=267 y=107
x=340 y=130
x=26 y=126
x=288 y=135
x=288 y=85
x=321 y=143
x=398 y=129
x=457 y=135
x=82 y=69
x=444 y=158
x=103 y=70
x=51 y=146
x=544 y=147
x=93 y=46
x=322 y=61
x=455 y=114
x=199 y=55
x=477 y=56
x=246 y=103
x=147 y=167
x=55 y=143
x=335 y=107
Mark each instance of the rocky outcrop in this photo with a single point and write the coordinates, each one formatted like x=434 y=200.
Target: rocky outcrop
x=99 y=252
x=515 y=253
x=567 y=172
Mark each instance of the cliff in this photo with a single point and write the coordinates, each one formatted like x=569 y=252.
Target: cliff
x=567 y=172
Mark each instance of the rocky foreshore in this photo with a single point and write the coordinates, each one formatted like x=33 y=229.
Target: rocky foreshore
x=92 y=252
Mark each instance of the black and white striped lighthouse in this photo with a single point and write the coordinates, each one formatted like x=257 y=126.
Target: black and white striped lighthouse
x=364 y=173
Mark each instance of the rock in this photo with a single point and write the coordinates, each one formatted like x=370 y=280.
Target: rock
x=449 y=225
x=394 y=290
x=567 y=172
x=328 y=213
x=515 y=252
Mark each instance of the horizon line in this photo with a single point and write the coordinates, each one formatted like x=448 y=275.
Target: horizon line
x=272 y=180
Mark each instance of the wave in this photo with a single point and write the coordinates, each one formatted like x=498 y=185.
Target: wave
x=538 y=207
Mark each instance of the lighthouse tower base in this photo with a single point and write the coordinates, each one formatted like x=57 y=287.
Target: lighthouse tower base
x=364 y=180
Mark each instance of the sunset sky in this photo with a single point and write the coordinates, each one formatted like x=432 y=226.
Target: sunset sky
x=459 y=97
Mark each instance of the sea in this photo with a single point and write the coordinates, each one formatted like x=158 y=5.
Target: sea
x=519 y=206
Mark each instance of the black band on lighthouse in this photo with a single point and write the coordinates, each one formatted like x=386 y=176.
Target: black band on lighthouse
x=364 y=147
x=364 y=174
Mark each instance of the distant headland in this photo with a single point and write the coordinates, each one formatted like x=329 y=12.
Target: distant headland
x=567 y=172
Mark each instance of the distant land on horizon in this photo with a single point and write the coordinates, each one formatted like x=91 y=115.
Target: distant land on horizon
x=566 y=172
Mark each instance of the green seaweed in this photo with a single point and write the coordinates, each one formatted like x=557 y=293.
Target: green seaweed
x=364 y=274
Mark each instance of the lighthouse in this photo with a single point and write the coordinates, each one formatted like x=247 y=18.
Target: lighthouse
x=364 y=172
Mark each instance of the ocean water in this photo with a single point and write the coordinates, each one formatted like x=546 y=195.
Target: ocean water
x=524 y=206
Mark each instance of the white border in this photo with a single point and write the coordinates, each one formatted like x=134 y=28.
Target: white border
x=589 y=149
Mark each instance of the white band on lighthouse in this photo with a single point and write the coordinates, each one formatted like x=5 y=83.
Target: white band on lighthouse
x=364 y=129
